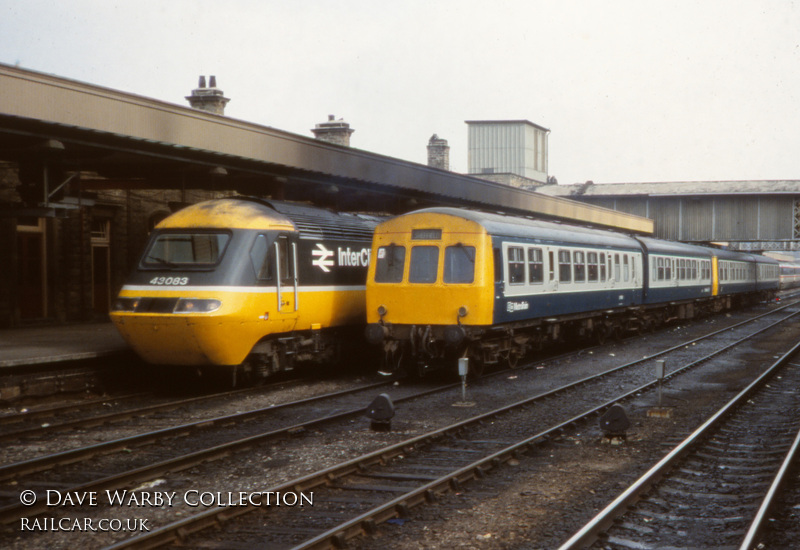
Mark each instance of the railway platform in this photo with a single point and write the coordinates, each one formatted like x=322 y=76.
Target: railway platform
x=54 y=344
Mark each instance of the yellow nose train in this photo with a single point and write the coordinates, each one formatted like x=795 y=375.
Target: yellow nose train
x=250 y=285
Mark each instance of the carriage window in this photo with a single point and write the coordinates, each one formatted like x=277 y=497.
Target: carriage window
x=564 y=266
x=660 y=268
x=626 y=269
x=535 y=266
x=459 y=264
x=592 y=261
x=602 y=267
x=694 y=269
x=186 y=249
x=552 y=265
x=389 y=267
x=616 y=268
x=424 y=264
x=516 y=265
x=668 y=269
x=580 y=267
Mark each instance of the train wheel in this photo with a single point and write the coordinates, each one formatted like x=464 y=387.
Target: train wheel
x=513 y=358
x=476 y=368
x=242 y=375
x=600 y=334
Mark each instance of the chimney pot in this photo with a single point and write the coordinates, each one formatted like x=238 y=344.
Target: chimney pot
x=333 y=131
x=212 y=81
x=438 y=153
x=210 y=100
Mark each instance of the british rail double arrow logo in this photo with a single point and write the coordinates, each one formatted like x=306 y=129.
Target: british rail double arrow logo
x=323 y=259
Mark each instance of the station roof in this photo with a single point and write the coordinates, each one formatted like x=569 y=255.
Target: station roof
x=678 y=188
x=128 y=141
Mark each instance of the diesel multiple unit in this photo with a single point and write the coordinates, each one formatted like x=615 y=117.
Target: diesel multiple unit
x=447 y=283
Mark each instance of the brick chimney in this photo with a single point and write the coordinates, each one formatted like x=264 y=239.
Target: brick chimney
x=209 y=99
x=334 y=131
x=438 y=153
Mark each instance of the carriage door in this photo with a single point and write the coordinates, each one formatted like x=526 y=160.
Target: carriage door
x=550 y=279
x=286 y=276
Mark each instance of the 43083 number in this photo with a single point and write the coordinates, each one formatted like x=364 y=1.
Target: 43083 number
x=169 y=281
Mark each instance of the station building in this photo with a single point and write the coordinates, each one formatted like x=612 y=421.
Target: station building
x=87 y=172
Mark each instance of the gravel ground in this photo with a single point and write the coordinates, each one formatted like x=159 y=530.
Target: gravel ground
x=540 y=500
x=534 y=502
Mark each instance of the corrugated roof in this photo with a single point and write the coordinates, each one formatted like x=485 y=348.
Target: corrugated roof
x=744 y=187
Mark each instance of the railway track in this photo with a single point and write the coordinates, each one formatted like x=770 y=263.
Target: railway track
x=207 y=446
x=95 y=412
x=353 y=497
x=709 y=490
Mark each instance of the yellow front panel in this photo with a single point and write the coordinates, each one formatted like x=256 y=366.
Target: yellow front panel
x=714 y=276
x=433 y=303
x=226 y=336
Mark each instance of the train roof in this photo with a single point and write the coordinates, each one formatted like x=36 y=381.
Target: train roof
x=526 y=228
x=253 y=213
x=230 y=213
x=319 y=223
x=655 y=246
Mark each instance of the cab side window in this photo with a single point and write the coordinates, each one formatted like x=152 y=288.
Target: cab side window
x=260 y=259
x=285 y=264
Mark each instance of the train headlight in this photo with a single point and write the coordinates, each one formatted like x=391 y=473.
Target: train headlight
x=381 y=310
x=462 y=311
x=125 y=304
x=197 y=305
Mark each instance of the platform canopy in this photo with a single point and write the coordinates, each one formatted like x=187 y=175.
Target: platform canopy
x=114 y=140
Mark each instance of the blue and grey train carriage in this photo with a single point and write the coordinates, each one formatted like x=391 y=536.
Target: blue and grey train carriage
x=678 y=274
x=448 y=283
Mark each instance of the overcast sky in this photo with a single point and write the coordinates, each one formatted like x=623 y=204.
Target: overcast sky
x=631 y=90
